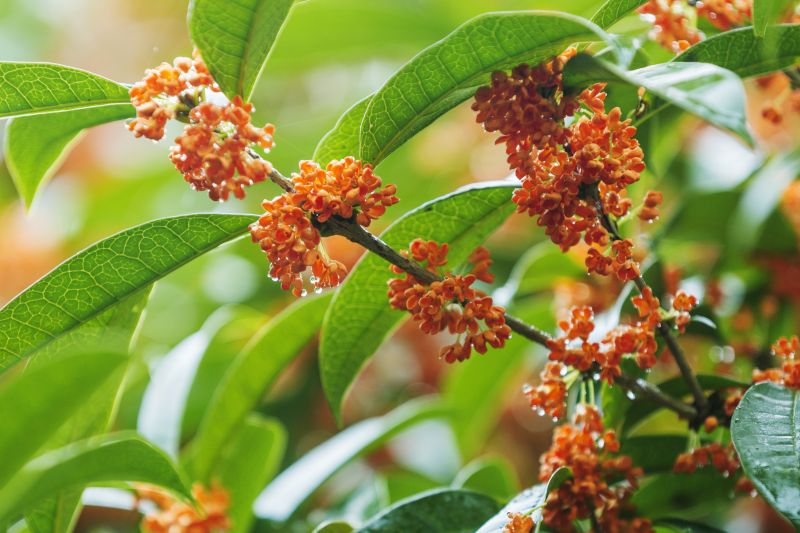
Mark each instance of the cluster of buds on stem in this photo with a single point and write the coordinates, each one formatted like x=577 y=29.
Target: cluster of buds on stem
x=591 y=452
x=788 y=375
x=288 y=233
x=172 y=515
x=215 y=151
x=452 y=303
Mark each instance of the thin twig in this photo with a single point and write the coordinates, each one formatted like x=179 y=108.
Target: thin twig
x=359 y=235
x=663 y=328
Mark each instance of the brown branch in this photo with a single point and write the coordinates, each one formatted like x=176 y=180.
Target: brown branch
x=663 y=328
x=359 y=235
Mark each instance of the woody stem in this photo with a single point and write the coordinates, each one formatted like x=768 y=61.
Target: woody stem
x=663 y=328
x=359 y=235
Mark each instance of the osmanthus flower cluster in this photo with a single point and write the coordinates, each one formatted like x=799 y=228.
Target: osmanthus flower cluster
x=602 y=480
x=451 y=303
x=674 y=29
x=176 y=516
x=214 y=152
x=287 y=232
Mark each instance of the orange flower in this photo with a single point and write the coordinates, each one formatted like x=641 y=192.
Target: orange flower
x=291 y=243
x=788 y=374
x=725 y=14
x=157 y=96
x=589 y=450
x=213 y=152
x=344 y=188
x=683 y=304
x=649 y=211
x=671 y=27
x=518 y=523
x=174 y=516
x=452 y=303
x=550 y=396
x=723 y=459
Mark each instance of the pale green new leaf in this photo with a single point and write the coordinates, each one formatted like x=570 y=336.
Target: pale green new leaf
x=745 y=54
x=702 y=89
x=30 y=88
x=95 y=279
x=117 y=457
x=766 y=12
x=613 y=10
x=251 y=459
x=34 y=404
x=235 y=39
x=449 y=71
x=765 y=432
x=35 y=146
x=343 y=140
x=281 y=498
x=360 y=318
x=435 y=511
x=250 y=375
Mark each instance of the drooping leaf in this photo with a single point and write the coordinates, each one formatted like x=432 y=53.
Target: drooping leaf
x=161 y=412
x=493 y=475
x=95 y=279
x=30 y=88
x=113 y=330
x=250 y=460
x=36 y=145
x=702 y=89
x=765 y=433
x=360 y=318
x=35 y=404
x=250 y=375
x=117 y=457
x=436 y=511
x=613 y=10
x=343 y=140
x=745 y=54
x=281 y=498
x=449 y=71
x=235 y=39
x=766 y=12
x=677 y=388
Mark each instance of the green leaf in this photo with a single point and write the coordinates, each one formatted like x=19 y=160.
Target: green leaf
x=494 y=476
x=235 y=39
x=359 y=318
x=764 y=430
x=95 y=279
x=436 y=511
x=164 y=402
x=759 y=200
x=250 y=375
x=35 y=146
x=343 y=140
x=714 y=94
x=614 y=401
x=35 y=404
x=281 y=498
x=449 y=71
x=250 y=460
x=613 y=10
x=112 y=330
x=654 y=453
x=745 y=54
x=30 y=88
x=116 y=457
x=686 y=495
x=677 y=388
x=537 y=270
x=677 y=525
x=766 y=12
